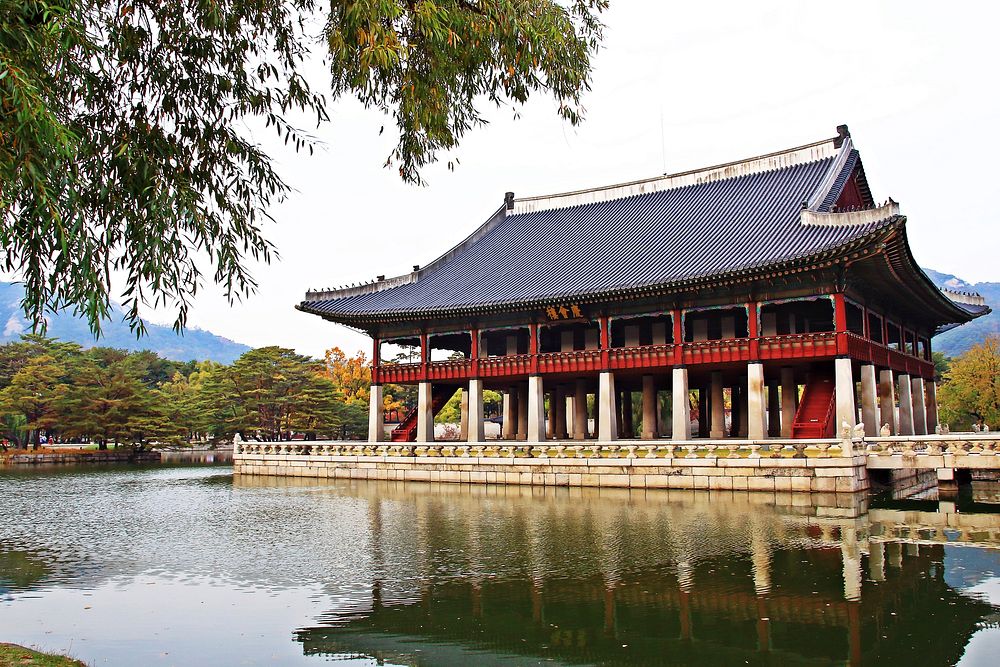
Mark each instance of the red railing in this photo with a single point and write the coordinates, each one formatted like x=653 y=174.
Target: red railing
x=397 y=373
x=717 y=351
x=793 y=346
x=452 y=369
x=798 y=346
x=515 y=364
x=578 y=361
x=647 y=356
x=880 y=355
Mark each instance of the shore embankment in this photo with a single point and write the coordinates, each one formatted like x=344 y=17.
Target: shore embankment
x=49 y=456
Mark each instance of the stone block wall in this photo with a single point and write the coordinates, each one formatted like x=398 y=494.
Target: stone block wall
x=808 y=475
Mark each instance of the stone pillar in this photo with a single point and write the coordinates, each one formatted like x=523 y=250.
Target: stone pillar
x=716 y=400
x=536 y=409
x=464 y=425
x=869 y=400
x=681 y=404
x=425 y=413
x=560 y=428
x=550 y=429
x=649 y=406
x=931 y=406
x=789 y=392
x=736 y=403
x=744 y=425
x=376 y=424
x=509 y=414
x=905 y=406
x=887 y=402
x=844 y=388
x=876 y=561
x=704 y=412
x=850 y=553
x=607 y=423
x=628 y=428
x=477 y=428
x=773 y=410
x=569 y=401
x=756 y=428
x=580 y=410
x=919 y=406
x=523 y=410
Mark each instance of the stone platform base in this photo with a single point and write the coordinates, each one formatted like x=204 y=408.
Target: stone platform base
x=818 y=475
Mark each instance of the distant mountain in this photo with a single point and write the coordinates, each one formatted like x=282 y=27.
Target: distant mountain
x=194 y=344
x=960 y=339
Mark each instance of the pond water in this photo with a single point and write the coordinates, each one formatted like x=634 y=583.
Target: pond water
x=185 y=565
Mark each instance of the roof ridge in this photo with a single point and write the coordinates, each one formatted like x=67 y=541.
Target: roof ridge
x=812 y=152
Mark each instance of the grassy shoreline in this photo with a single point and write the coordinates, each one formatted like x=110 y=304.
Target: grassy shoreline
x=12 y=655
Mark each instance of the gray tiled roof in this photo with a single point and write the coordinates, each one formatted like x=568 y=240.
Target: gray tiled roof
x=655 y=238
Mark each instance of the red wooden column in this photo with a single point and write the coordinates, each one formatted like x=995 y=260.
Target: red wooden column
x=424 y=357
x=753 y=330
x=605 y=342
x=474 y=352
x=840 y=322
x=677 y=319
x=376 y=362
x=533 y=348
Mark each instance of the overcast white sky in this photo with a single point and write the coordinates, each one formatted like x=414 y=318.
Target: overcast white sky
x=678 y=85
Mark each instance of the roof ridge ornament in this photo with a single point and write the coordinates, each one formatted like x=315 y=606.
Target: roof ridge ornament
x=961 y=296
x=863 y=216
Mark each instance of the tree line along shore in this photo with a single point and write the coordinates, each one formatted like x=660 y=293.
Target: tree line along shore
x=57 y=392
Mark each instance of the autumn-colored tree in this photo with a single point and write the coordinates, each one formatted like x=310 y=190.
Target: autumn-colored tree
x=970 y=392
x=351 y=376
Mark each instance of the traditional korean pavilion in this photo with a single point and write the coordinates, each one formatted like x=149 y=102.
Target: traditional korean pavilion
x=770 y=297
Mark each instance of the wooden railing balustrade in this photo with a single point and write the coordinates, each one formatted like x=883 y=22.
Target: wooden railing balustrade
x=817 y=345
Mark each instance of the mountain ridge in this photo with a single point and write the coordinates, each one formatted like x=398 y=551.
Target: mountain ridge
x=194 y=344
x=956 y=341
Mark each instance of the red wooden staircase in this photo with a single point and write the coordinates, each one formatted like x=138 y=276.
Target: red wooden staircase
x=814 y=418
x=406 y=431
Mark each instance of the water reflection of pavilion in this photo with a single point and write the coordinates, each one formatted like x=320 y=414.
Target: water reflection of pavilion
x=515 y=575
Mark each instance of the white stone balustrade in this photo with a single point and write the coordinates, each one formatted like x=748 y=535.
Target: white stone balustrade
x=622 y=449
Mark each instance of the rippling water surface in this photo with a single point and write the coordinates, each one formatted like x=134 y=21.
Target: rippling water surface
x=185 y=565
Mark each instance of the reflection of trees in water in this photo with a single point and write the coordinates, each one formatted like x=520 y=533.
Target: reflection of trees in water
x=591 y=579
x=22 y=570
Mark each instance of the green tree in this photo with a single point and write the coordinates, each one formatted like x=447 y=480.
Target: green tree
x=124 y=142
x=941 y=365
x=109 y=403
x=35 y=392
x=271 y=392
x=971 y=388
